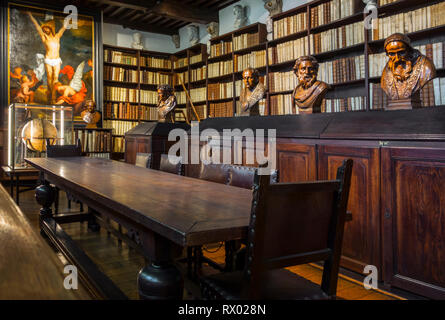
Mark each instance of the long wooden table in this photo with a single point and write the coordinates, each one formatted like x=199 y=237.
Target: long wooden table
x=169 y=212
x=29 y=269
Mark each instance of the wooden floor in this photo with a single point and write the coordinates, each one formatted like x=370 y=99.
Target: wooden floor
x=122 y=264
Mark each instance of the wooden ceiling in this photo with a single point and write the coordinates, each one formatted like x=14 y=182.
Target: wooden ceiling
x=158 y=16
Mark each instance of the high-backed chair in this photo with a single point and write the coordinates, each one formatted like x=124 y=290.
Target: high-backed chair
x=290 y=224
x=175 y=167
x=218 y=173
x=56 y=151
x=144 y=160
x=242 y=176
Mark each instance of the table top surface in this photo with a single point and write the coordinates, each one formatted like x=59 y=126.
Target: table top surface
x=185 y=210
x=29 y=267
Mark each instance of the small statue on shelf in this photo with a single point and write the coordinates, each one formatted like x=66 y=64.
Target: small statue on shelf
x=405 y=74
x=176 y=40
x=213 y=31
x=252 y=93
x=167 y=103
x=240 y=16
x=137 y=41
x=90 y=116
x=193 y=32
x=273 y=7
x=308 y=95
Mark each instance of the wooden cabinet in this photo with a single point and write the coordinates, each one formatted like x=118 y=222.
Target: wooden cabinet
x=361 y=241
x=296 y=161
x=413 y=207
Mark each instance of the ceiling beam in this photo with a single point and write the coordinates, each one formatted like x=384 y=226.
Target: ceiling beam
x=168 y=8
x=141 y=26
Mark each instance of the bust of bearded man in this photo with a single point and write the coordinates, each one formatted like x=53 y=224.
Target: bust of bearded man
x=405 y=74
x=167 y=103
x=308 y=95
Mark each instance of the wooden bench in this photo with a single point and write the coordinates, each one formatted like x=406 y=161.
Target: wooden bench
x=29 y=268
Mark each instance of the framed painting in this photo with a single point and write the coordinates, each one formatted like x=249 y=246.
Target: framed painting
x=51 y=61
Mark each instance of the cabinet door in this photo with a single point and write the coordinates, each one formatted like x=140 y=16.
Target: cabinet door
x=361 y=241
x=413 y=206
x=296 y=162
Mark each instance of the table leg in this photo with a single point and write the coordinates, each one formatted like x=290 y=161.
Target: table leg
x=12 y=185
x=17 y=188
x=160 y=279
x=45 y=196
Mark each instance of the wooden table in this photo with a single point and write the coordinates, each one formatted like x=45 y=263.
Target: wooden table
x=29 y=268
x=17 y=173
x=169 y=212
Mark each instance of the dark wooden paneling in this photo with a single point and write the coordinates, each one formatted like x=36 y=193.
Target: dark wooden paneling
x=296 y=162
x=361 y=242
x=413 y=204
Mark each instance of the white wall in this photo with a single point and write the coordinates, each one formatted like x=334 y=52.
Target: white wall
x=117 y=35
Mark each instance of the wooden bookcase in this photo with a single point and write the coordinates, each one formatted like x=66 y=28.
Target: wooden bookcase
x=95 y=142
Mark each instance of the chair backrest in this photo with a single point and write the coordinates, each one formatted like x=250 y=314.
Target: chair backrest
x=242 y=176
x=144 y=160
x=296 y=223
x=175 y=166
x=218 y=173
x=56 y=151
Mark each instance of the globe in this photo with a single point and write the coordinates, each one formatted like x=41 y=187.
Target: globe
x=36 y=132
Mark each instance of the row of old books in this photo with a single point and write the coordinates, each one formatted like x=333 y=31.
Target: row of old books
x=246 y=40
x=221 y=48
x=338 y=38
x=344 y=104
x=255 y=59
x=196 y=58
x=120 y=74
x=410 y=21
x=118 y=144
x=149 y=97
x=342 y=70
x=121 y=94
x=383 y=2
x=202 y=111
x=181 y=97
x=280 y=104
x=220 y=68
x=119 y=127
x=156 y=78
x=93 y=140
x=198 y=74
x=120 y=57
x=287 y=51
x=289 y=25
x=182 y=76
x=434 y=51
x=180 y=116
x=127 y=111
x=261 y=106
x=198 y=94
x=152 y=62
x=220 y=90
x=282 y=81
x=331 y=11
x=182 y=62
x=222 y=109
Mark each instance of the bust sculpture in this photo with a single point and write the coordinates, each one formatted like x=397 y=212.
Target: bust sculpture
x=309 y=93
x=193 y=32
x=273 y=7
x=167 y=103
x=90 y=116
x=176 y=40
x=406 y=72
x=240 y=16
x=137 y=41
x=213 y=31
x=252 y=93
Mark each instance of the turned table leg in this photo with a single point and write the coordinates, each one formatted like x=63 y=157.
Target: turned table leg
x=45 y=196
x=160 y=279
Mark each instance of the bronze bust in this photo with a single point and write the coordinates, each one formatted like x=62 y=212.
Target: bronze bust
x=89 y=115
x=406 y=72
x=308 y=95
x=167 y=103
x=252 y=93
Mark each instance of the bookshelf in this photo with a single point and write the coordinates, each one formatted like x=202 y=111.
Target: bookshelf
x=96 y=143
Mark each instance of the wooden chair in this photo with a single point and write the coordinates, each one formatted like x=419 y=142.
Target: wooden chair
x=290 y=224
x=168 y=166
x=56 y=151
x=243 y=177
x=144 y=160
x=218 y=173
